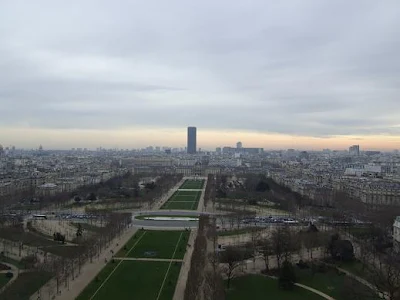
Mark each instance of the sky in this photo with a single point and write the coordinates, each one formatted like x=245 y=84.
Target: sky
x=304 y=74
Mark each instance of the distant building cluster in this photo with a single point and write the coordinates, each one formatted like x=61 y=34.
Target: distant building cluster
x=374 y=178
x=371 y=176
x=42 y=173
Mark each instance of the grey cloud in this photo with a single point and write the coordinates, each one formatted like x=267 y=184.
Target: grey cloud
x=316 y=68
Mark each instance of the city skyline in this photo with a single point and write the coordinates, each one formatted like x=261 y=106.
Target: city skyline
x=272 y=75
x=178 y=139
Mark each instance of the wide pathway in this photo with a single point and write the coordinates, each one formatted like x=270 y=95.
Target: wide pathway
x=183 y=275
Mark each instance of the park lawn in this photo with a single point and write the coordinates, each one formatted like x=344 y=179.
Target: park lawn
x=131 y=243
x=162 y=243
x=186 y=200
x=356 y=267
x=134 y=280
x=12 y=261
x=26 y=285
x=4 y=280
x=192 y=184
x=333 y=283
x=168 y=290
x=92 y=287
x=258 y=287
x=192 y=205
x=330 y=283
x=142 y=217
x=185 y=196
x=185 y=193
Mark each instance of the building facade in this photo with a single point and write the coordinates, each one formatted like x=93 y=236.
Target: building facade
x=191 y=140
x=354 y=150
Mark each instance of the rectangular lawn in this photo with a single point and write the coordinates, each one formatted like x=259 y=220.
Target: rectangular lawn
x=192 y=184
x=156 y=244
x=181 y=205
x=134 y=280
x=186 y=200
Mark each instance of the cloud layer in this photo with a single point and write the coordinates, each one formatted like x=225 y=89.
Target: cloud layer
x=303 y=68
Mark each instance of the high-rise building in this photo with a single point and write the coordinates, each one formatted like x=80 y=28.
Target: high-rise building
x=239 y=145
x=354 y=150
x=191 y=140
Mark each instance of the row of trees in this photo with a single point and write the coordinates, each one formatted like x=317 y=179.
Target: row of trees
x=283 y=244
x=210 y=192
x=66 y=268
x=126 y=190
x=197 y=263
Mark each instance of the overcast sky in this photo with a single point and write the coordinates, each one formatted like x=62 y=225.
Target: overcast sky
x=270 y=73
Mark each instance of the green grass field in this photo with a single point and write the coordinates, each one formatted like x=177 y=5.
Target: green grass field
x=192 y=184
x=186 y=200
x=26 y=285
x=134 y=280
x=143 y=217
x=158 y=244
x=332 y=283
x=3 y=280
x=258 y=287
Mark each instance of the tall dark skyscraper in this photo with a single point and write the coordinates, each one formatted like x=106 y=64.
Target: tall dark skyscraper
x=191 y=140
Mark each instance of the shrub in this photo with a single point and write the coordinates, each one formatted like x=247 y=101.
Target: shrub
x=302 y=265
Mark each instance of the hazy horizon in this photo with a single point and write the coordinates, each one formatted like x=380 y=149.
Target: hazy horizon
x=177 y=138
x=303 y=74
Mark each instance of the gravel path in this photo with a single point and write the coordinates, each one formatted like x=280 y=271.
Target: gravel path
x=183 y=275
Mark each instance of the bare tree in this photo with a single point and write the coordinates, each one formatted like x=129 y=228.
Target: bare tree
x=255 y=236
x=232 y=259
x=278 y=245
x=265 y=248
x=386 y=275
x=311 y=240
x=214 y=288
x=284 y=243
